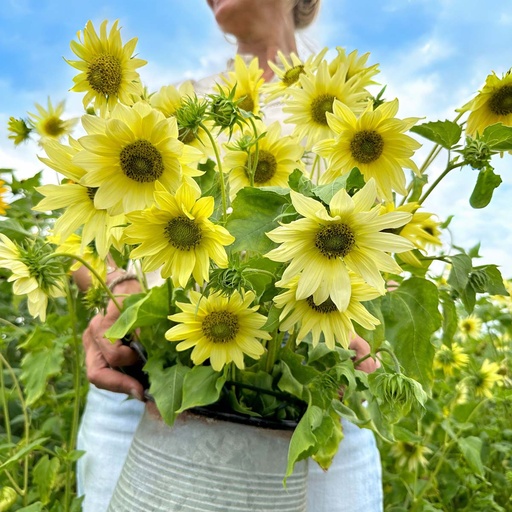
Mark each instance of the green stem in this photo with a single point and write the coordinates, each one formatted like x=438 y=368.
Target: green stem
x=396 y=362
x=272 y=349
x=221 y=173
x=10 y=324
x=316 y=163
x=5 y=406
x=254 y=167
x=439 y=179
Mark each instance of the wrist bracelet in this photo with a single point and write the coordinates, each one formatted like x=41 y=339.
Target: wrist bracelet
x=121 y=279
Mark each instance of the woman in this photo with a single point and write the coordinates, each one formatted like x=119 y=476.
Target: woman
x=261 y=28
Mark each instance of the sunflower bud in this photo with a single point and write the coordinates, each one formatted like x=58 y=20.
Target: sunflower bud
x=189 y=116
x=7 y=498
x=476 y=153
x=20 y=132
x=224 y=111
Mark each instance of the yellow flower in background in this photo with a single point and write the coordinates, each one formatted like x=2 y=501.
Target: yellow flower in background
x=412 y=455
x=324 y=245
x=18 y=130
x=248 y=80
x=278 y=157
x=493 y=104
x=177 y=236
x=451 y=358
x=461 y=395
x=3 y=204
x=356 y=66
x=220 y=328
x=325 y=318
x=30 y=277
x=107 y=68
x=127 y=154
x=80 y=212
x=422 y=230
x=470 y=327
x=310 y=103
x=288 y=70
x=483 y=380
x=374 y=142
x=48 y=122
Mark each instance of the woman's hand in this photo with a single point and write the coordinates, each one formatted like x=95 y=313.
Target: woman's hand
x=362 y=349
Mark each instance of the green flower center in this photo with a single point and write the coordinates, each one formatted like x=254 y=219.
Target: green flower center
x=320 y=106
x=501 y=101
x=366 y=146
x=246 y=104
x=326 y=307
x=183 y=233
x=266 y=168
x=220 y=326
x=105 y=74
x=141 y=161
x=186 y=135
x=91 y=193
x=335 y=240
x=292 y=75
x=53 y=126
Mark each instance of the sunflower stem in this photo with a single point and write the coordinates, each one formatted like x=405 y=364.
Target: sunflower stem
x=449 y=168
x=272 y=349
x=396 y=363
x=5 y=407
x=256 y=152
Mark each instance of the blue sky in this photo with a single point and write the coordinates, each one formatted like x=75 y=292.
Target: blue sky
x=434 y=55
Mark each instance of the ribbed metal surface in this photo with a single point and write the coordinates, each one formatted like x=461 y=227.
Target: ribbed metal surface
x=207 y=465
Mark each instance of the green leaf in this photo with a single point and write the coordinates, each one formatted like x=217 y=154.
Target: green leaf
x=353 y=180
x=295 y=362
x=166 y=387
x=486 y=182
x=38 y=367
x=272 y=322
x=471 y=448
x=254 y=214
x=35 y=507
x=459 y=274
x=328 y=436
x=450 y=318
x=44 y=475
x=411 y=316
x=300 y=183
x=494 y=284
x=201 y=386
x=25 y=450
x=445 y=133
x=498 y=137
x=289 y=383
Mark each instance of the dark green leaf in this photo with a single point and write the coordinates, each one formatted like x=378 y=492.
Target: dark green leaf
x=25 y=450
x=486 y=182
x=471 y=448
x=450 y=318
x=446 y=133
x=45 y=475
x=201 y=386
x=494 y=284
x=459 y=274
x=498 y=137
x=351 y=181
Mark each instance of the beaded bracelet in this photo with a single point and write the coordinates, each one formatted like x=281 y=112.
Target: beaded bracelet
x=121 y=279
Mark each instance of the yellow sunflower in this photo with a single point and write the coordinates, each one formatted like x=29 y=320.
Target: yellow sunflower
x=309 y=104
x=18 y=130
x=470 y=327
x=287 y=72
x=176 y=235
x=356 y=66
x=451 y=358
x=423 y=230
x=107 y=68
x=48 y=123
x=483 y=380
x=326 y=318
x=220 y=328
x=127 y=154
x=492 y=105
x=37 y=281
x=3 y=205
x=375 y=143
x=78 y=200
x=248 y=80
x=277 y=158
x=324 y=245
x=410 y=455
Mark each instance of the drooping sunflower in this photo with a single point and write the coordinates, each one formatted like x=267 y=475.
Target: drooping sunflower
x=177 y=235
x=493 y=104
x=128 y=153
x=288 y=71
x=3 y=205
x=326 y=318
x=78 y=200
x=107 y=68
x=248 y=81
x=451 y=358
x=49 y=124
x=31 y=277
x=410 y=454
x=277 y=157
x=220 y=328
x=325 y=244
x=483 y=380
x=470 y=327
x=310 y=103
x=375 y=143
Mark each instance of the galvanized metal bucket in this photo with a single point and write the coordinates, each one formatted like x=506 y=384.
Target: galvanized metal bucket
x=209 y=465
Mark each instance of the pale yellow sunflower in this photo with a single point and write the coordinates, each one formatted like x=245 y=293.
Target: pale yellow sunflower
x=374 y=142
x=483 y=380
x=248 y=80
x=3 y=204
x=107 y=68
x=220 y=328
x=49 y=124
x=326 y=318
x=31 y=277
x=287 y=71
x=410 y=455
x=423 y=230
x=493 y=104
x=451 y=358
x=177 y=236
x=98 y=226
x=470 y=327
x=324 y=245
x=277 y=158
x=356 y=66
x=127 y=154
x=310 y=103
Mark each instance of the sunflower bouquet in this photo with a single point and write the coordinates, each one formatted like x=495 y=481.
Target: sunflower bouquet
x=264 y=242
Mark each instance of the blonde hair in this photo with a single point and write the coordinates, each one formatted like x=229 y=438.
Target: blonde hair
x=305 y=12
